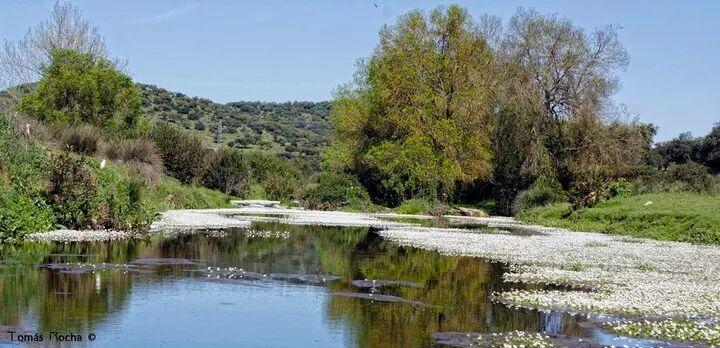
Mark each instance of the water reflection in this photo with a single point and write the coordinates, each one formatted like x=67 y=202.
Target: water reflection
x=174 y=302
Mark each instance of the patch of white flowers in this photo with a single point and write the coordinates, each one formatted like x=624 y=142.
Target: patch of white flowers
x=627 y=276
x=674 y=330
x=195 y=219
x=511 y=339
x=267 y=234
x=67 y=236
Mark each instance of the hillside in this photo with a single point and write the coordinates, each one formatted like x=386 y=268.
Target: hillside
x=290 y=129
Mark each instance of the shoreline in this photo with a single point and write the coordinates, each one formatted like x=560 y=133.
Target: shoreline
x=610 y=274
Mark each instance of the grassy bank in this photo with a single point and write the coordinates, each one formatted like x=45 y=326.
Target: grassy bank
x=676 y=216
x=43 y=187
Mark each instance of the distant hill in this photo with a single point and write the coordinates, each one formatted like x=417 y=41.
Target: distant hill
x=290 y=129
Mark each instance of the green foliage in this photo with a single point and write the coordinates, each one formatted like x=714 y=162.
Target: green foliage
x=141 y=154
x=228 y=172
x=22 y=163
x=692 y=177
x=120 y=199
x=542 y=193
x=172 y=194
x=290 y=130
x=709 y=151
x=279 y=187
x=81 y=87
x=620 y=188
x=183 y=153
x=82 y=139
x=37 y=191
x=684 y=149
x=414 y=206
x=19 y=215
x=71 y=192
x=332 y=190
x=680 y=150
x=417 y=119
x=275 y=178
x=678 y=216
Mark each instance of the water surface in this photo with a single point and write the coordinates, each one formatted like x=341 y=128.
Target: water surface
x=104 y=291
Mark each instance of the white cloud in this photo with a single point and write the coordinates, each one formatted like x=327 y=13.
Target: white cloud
x=167 y=15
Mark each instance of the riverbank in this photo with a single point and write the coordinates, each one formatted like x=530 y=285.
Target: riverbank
x=622 y=276
x=673 y=216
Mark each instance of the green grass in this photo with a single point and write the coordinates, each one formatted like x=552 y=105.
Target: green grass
x=676 y=216
x=172 y=194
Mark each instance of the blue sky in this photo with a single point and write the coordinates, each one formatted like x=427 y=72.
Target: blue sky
x=293 y=50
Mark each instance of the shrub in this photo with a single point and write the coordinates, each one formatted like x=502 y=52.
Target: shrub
x=542 y=193
x=263 y=165
x=199 y=126
x=691 y=176
x=414 y=206
x=82 y=139
x=32 y=127
x=228 y=172
x=182 y=153
x=120 y=199
x=72 y=191
x=280 y=187
x=81 y=87
x=334 y=189
x=19 y=215
x=141 y=154
x=620 y=188
x=23 y=162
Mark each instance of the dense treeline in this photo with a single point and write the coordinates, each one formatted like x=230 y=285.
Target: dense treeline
x=452 y=109
x=686 y=149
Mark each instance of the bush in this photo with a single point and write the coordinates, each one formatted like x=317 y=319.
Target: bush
x=19 y=215
x=279 y=178
x=691 y=176
x=141 y=154
x=32 y=127
x=182 y=153
x=23 y=162
x=333 y=189
x=542 y=193
x=71 y=192
x=228 y=172
x=620 y=188
x=280 y=187
x=83 y=139
x=414 y=206
x=263 y=165
x=81 y=87
x=120 y=201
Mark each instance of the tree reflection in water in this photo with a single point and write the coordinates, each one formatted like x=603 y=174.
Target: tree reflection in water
x=457 y=289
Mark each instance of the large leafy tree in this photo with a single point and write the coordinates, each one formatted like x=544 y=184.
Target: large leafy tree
x=417 y=119
x=25 y=61
x=557 y=83
x=82 y=87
